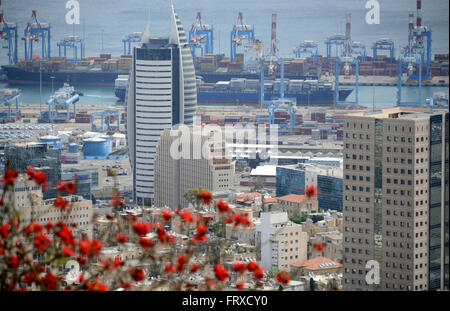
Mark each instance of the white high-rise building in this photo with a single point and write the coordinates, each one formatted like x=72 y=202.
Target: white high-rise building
x=161 y=93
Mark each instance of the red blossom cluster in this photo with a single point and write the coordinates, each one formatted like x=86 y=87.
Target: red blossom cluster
x=56 y=241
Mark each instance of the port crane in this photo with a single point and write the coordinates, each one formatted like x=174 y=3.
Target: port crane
x=337 y=40
x=73 y=42
x=134 y=37
x=415 y=56
x=8 y=32
x=201 y=37
x=10 y=98
x=35 y=31
x=239 y=33
x=281 y=103
x=352 y=53
x=106 y=116
x=384 y=44
x=307 y=47
x=59 y=104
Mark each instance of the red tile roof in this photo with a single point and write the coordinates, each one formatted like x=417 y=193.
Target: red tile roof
x=294 y=198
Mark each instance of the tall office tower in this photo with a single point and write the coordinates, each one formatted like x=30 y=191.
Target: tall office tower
x=174 y=174
x=395 y=202
x=41 y=157
x=161 y=93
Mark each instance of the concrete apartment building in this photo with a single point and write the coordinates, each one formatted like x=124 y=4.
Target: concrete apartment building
x=173 y=176
x=27 y=198
x=281 y=241
x=297 y=205
x=161 y=93
x=396 y=199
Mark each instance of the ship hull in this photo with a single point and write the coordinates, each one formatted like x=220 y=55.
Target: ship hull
x=318 y=98
x=20 y=76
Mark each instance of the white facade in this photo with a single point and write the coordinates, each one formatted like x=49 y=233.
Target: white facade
x=282 y=241
x=160 y=94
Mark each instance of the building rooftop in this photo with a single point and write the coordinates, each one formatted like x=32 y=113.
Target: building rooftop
x=294 y=198
x=318 y=263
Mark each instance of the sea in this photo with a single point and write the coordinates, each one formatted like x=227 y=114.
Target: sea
x=104 y=23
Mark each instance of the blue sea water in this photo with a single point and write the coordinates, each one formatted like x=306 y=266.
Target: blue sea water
x=105 y=22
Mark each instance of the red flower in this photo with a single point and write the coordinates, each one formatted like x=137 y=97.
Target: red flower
x=223 y=207
x=220 y=272
x=241 y=219
x=61 y=203
x=282 y=277
x=90 y=248
x=146 y=242
x=194 y=267
x=115 y=201
x=259 y=273
x=141 y=229
x=206 y=196
x=310 y=192
x=125 y=285
x=182 y=260
x=187 y=216
x=81 y=260
x=166 y=215
x=252 y=266
x=13 y=261
x=68 y=186
x=200 y=236
x=96 y=286
x=318 y=247
x=4 y=230
x=49 y=226
x=66 y=251
x=9 y=176
x=49 y=281
x=121 y=238
x=65 y=234
x=28 y=278
x=137 y=274
x=169 y=269
x=239 y=267
x=230 y=219
x=40 y=178
x=240 y=285
x=33 y=227
x=41 y=242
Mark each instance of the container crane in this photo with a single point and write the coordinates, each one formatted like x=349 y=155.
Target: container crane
x=134 y=37
x=349 y=57
x=282 y=103
x=74 y=42
x=8 y=32
x=384 y=44
x=415 y=56
x=35 y=31
x=337 y=40
x=106 y=116
x=307 y=47
x=239 y=33
x=201 y=37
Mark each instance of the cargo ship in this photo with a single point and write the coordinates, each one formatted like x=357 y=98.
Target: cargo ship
x=237 y=91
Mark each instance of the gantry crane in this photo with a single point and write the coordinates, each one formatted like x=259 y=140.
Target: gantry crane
x=239 y=33
x=384 y=44
x=73 y=42
x=35 y=31
x=307 y=47
x=134 y=37
x=415 y=56
x=201 y=37
x=8 y=32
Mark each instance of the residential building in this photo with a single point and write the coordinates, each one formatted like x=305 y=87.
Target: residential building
x=176 y=174
x=297 y=205
x=318 y=266
x=281 y=242
x=396 y=199
x=161 y=93
x=41 y=157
